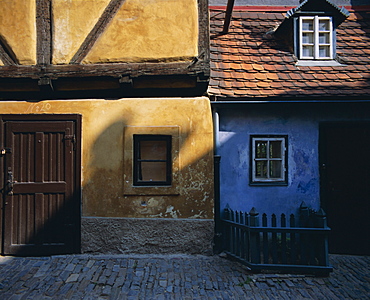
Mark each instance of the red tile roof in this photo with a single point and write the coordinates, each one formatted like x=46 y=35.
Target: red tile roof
x=247 y=62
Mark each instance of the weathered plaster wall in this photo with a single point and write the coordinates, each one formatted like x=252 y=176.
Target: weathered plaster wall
x=72 y=22
x=150 y=30
x=103 y=123
x=18 y=29
x=301 y=124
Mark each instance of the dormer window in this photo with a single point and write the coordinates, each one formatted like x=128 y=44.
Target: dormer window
x=309 y=32
x=315 y=38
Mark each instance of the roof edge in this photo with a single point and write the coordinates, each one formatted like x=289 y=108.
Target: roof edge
x=271 y=8
x=341 y=10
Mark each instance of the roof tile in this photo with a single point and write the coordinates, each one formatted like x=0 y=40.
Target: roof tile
x=245 y=63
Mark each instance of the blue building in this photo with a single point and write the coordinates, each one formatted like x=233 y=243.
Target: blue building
x=290 y=90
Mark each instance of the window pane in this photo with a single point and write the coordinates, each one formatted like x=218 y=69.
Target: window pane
x=261 y=169
x=324 y=38
x=324 y=25
x=152 y=171
x=275 y=169
x=307 y=25
x=275 y=149
x=153 y=150
x=324 y=51
x=307 y=38
x=307 y=51
x=261 y=149
x=152 y=160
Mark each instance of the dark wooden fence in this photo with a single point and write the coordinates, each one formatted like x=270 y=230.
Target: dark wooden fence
x=288 y=244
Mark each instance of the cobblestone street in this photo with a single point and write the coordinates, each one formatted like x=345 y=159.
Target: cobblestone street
x=172 y=277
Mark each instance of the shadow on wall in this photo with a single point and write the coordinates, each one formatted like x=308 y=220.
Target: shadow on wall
x=103 y=195
x=147 y=222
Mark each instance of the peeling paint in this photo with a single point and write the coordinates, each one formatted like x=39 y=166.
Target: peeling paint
x=170 y=210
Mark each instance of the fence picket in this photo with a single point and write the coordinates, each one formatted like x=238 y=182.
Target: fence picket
x=265 y=242
x=254 y=237
x=293 y=244
x=283 y=240
x=274 y=241
x=247 y=237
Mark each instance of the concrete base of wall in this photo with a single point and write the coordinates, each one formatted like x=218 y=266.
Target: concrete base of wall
x=146 y=236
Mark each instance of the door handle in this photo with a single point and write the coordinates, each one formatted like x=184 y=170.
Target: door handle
x=10 y=183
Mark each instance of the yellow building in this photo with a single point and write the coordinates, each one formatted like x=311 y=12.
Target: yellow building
x=106 y=140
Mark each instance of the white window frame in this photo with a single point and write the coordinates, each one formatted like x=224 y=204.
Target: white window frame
x=282 y=179
x=316 y=38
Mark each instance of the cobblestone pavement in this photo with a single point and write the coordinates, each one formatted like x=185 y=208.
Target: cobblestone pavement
x=172 y=277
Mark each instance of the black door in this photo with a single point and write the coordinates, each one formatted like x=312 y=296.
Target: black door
x=41 y=214
x=345 y=185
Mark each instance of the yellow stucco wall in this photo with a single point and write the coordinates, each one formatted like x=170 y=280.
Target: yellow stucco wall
x=73 y=20
x=103 y=125
x=18 y=29
x=141 y=30
x=149 y=30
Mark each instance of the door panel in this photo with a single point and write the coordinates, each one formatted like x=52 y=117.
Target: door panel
x=345 y=174
x=41 y=212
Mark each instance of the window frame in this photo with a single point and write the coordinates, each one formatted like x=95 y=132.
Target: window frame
x=137 y=160
x=129 y=189
x=316 y=38
x=283 y=179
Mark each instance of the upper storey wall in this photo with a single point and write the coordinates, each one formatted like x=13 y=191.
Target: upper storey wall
x=18 y=29
x=123 y=48
x=103 y=31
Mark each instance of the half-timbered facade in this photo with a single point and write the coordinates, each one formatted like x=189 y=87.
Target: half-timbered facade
x=105 y=138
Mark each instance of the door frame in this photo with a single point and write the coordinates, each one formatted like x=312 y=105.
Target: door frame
x=77 y=119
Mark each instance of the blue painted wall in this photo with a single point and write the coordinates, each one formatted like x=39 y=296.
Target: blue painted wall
x=301 y=123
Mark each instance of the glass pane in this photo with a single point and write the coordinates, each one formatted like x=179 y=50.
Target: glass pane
x=153 y=150
x=307 y=38
x=261 y=169
x=324 y=38
x=324 y=51
x=275 y=149
x=261 y=149
x=307 y=51
x=307 y=25
x=152 y=171
x=275 y=169
x=324 y=25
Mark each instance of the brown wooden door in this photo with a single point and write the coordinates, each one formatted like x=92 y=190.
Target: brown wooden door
x=41 y=206
x=345 y=185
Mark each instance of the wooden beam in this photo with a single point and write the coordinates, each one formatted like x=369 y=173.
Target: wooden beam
x=6 y=57
x=229 y=12
x=99 y=70
x=98 y=29
x=43 y=29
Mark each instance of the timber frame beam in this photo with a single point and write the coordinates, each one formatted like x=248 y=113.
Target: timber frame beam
x=44 y=75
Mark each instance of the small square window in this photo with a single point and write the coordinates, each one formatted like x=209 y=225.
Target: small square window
x=315 y=38
x=152 y=160
x=268 y=155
